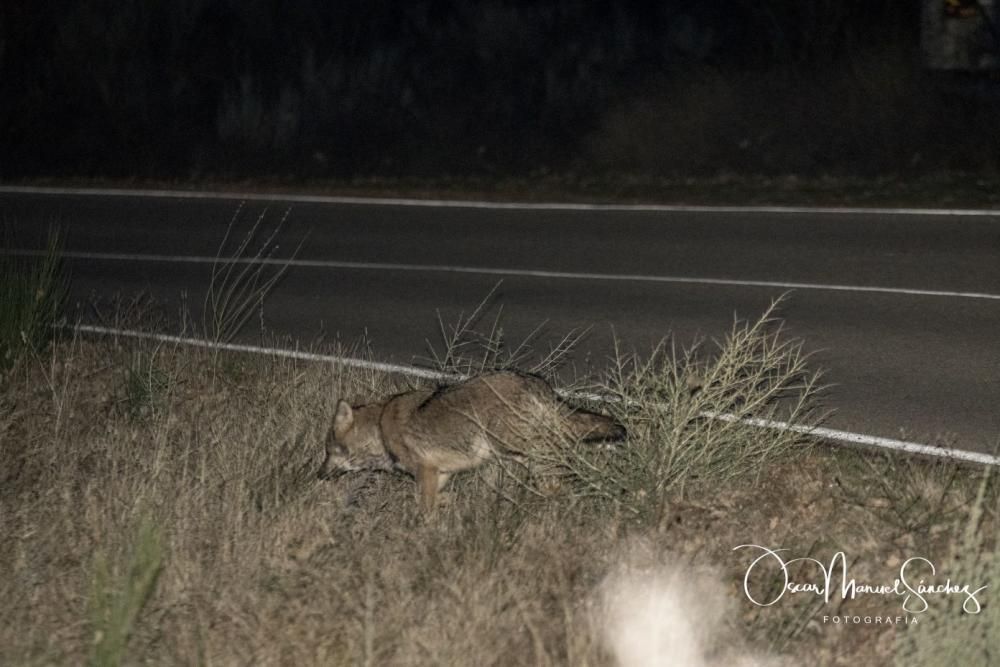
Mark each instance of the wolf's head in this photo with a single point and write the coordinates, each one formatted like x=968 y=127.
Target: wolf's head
x=354 y=442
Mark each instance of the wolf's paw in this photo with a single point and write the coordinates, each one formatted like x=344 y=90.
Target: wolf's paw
x=549 y=485
x=446 y=498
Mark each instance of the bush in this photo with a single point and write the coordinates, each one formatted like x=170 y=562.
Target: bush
x=32 y=293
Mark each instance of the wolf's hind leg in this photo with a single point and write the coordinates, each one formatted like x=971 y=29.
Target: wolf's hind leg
x=443 y=478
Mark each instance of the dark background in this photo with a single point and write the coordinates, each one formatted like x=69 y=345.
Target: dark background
x=346 y=88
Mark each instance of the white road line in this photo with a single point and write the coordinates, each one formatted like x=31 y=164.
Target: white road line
x=847 y=437
x=517 y=206
x=522 y=273
x=347 y=362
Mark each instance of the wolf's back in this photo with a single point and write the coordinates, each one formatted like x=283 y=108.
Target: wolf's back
x=524 y=392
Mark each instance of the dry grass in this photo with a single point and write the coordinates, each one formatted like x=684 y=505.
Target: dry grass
x=137 y=485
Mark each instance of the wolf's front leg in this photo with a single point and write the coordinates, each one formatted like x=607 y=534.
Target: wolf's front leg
x=427 y=486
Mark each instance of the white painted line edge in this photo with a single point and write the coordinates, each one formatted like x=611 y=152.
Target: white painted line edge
x=492 y=271
x=414 y=371
x=476 y=204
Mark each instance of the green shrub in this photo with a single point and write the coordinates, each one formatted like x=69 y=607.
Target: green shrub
x=115 y=602
x=32 y=293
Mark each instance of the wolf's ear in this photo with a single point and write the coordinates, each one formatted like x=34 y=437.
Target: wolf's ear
x=344 y=418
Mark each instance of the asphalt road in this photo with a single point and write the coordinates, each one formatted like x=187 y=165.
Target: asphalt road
x=914 y=355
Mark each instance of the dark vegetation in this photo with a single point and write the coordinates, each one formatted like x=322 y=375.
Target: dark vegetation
x=192 y=89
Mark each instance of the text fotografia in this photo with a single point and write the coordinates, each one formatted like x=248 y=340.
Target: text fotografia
x=858 y=619
x=914 y=582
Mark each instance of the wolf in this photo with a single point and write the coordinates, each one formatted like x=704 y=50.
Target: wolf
x=433 y=433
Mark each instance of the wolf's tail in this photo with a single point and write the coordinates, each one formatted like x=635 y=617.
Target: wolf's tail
x=592 y=427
